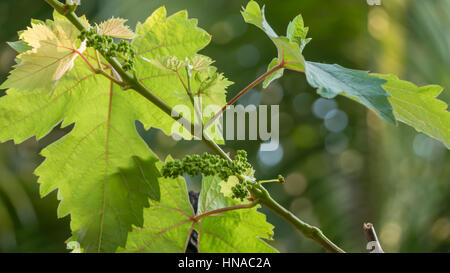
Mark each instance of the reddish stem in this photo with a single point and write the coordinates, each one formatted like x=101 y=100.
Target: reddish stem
x=85 y=59
x=217 y=211
x=243 y=91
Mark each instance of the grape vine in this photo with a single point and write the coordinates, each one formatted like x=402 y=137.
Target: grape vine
x=123 y=189
x=106 y=46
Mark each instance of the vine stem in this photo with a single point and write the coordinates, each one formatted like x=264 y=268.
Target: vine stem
x=258 y=192
x=312 y=232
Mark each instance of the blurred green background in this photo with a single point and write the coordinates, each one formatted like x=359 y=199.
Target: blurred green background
x=343 y=165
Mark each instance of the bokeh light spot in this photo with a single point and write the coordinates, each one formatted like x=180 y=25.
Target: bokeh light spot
x=271 y=158
x=296 y=184
x=321 y=107
x=427 y=147
x=336 y=120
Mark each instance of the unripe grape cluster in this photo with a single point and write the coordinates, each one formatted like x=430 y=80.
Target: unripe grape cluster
x=240 y=191
x=106 y=46
x=208 y=165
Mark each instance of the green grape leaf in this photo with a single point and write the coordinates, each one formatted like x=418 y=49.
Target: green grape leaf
x=169 y=222
x=103 y=170
x=419 y=107
x=254 y=14
x=199 y=85
x=89 y=165
x=115 y=27
x=289 y=50
x=333 y=80
x=164 y=46
x=297 y=32
x=207 y=83
x=52 y=55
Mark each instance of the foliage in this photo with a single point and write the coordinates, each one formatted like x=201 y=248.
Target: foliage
x=118 y=194
x=52 y=55
x=170 y=222
x=332 y=80
x=419 y=107
x=379 y=93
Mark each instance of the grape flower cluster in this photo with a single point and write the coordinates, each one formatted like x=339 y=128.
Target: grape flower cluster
x=106 y=46
x=211 y=165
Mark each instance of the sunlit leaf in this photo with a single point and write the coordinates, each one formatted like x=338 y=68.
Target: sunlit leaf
x=275 y=75
x=103 y=159
x=115 y=27
x=52 y=55
x=297 y=32
x=102 y=168
x=165 y=45
x=419 y=107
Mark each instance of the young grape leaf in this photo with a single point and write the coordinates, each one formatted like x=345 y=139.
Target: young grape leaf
x=275 y=75
x=419 y=107
x=289 y=48
x=297 y=32
x=52 y=55
x=332 y=80
x=115 y=27
x=165 y=45
x=254 y=14
x=169 y=223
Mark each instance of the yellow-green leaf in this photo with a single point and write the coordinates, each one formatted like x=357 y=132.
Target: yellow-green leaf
x=115 y=27
x=419 y=107
x=165 y=45
x=53 y=53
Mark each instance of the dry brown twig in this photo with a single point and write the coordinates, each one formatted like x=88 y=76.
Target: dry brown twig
x=373 y=244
